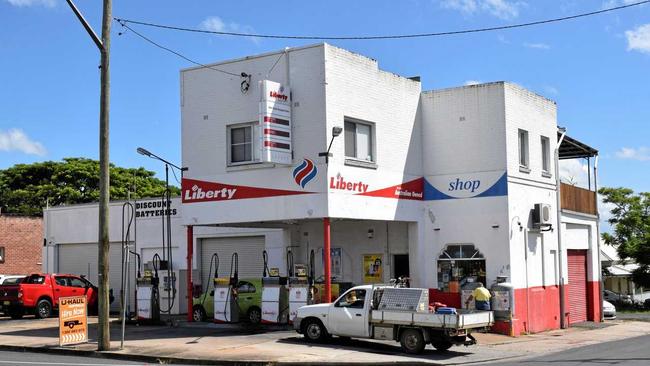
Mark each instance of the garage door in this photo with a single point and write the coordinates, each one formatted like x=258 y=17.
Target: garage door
x=81 y=259
x=577 y=262
x=248 y=248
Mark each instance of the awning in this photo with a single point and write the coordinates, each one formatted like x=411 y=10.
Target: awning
x=573 y=149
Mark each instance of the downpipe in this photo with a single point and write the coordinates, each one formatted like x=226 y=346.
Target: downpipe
x=560 y=248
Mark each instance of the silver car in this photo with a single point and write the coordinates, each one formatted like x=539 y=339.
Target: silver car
x=609 y=310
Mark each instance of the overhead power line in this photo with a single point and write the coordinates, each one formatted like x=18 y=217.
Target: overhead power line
x=379 y=37
x=123 y=24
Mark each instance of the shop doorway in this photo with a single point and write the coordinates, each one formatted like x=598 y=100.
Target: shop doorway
x=401 y=265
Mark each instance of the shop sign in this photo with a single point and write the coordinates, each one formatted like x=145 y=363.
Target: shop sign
x=373 y=265
x=275 y=122
x=336 y=265
x=73 y=320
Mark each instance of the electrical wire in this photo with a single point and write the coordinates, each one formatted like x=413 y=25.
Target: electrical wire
x=378 y=37
x=123 y=24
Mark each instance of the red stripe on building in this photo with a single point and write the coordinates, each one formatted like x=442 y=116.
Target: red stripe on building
x=412 y=190
x=201 y=191
x=277 y=145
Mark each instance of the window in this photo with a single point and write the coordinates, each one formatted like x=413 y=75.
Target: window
x=2 y=254
x=352 y=299
x=546 y=155
x=459 y=264
x=35 y=279
x=358 y=141
x=240 y=141
x=523 y=149
x=246 y=288
x=76 y=282
x=61 y=281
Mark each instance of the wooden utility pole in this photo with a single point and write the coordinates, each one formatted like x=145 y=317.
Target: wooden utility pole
x=104 y=45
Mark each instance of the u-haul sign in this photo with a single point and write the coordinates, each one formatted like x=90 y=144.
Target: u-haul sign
x=275 y=122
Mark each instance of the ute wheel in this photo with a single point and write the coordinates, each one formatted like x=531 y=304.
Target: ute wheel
x=314 y=331
x=198 y=314
x=441 y=345
x=254 y=315
x=412 y=341
x=16 y=313
x=43 y=309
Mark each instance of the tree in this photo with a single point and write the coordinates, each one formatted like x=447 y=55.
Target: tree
x=631 y=223
x=26 y=188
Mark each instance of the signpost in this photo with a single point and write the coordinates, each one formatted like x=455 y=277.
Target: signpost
x=73 y=320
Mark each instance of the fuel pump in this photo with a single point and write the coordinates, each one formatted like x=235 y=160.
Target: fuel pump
x=275 y=302
x=301 y=284
x=226 y=309
x=148 y=297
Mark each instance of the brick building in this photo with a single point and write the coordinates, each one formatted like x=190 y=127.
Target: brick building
x=21 y=239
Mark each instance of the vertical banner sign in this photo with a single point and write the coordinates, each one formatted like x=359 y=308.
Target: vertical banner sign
x=275 y=122
x=373 y=265
x=73 y=320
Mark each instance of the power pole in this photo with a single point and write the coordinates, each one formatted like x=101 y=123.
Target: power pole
x=104 y=45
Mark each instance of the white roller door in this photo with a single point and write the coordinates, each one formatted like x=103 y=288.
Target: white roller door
x=81 y=259
x=248 y=248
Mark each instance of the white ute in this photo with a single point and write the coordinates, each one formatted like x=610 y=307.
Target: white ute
x=390 y=313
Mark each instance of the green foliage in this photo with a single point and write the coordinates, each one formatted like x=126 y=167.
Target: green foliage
x=26 y=188
x=631 y=222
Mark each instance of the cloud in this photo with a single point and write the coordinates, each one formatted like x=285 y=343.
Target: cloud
x=574 y=172
x=539 y=46
x=641 y=154
x=216 y=24
x=26 y=3
x=16 y=140
x=503 y=9
x=472 y=82
x=639 y=39
x=614 y=3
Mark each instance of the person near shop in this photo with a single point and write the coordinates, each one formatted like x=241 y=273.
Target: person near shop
x=481 y=297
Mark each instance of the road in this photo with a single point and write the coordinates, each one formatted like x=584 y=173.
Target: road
x=31 y=358
x=628 y=352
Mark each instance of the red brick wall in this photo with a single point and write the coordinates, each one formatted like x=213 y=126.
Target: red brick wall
x=22 y=238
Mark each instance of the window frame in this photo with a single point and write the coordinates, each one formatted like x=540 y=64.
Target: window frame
x=546 y=154
x=373 y=144
x=3 y=254
x=523 y=143
x=254 y=159
x=341 y=299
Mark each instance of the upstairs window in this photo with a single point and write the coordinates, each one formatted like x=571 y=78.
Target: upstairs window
x=523 y=149
x=359 y=140
x=2 y=254
x=240 y=143
x=546 y=155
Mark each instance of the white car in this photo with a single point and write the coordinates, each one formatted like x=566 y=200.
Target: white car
x=609 y=310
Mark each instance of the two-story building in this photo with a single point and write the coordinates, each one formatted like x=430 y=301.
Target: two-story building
x=447 y=187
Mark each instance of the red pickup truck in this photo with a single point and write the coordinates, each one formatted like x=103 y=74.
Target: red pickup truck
x=39 y=293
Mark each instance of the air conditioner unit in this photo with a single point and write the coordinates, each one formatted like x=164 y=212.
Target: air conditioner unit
x=542 y=215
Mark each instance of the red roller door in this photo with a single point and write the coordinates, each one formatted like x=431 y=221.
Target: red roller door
x=577 y=262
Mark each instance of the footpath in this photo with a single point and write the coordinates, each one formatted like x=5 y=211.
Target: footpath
x=205 y=343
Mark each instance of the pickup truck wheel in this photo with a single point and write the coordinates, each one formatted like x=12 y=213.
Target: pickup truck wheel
x=441 y=345
x=198 y=314
x=43 y=309
x=412 y=341
x=314 y=331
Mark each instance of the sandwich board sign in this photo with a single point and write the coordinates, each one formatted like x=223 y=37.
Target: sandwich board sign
x=73 y=320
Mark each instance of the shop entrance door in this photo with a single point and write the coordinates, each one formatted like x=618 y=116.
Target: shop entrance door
x=401 y=265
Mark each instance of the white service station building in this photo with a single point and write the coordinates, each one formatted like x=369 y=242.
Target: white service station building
x=447 y=187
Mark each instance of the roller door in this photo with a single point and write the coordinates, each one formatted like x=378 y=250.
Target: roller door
x=577 y=263
x=81 y=259
x=248 y=248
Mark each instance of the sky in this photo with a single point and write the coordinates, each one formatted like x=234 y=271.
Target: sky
x=597 y=69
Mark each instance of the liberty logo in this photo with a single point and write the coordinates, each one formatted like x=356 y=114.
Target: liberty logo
x=305 y=172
